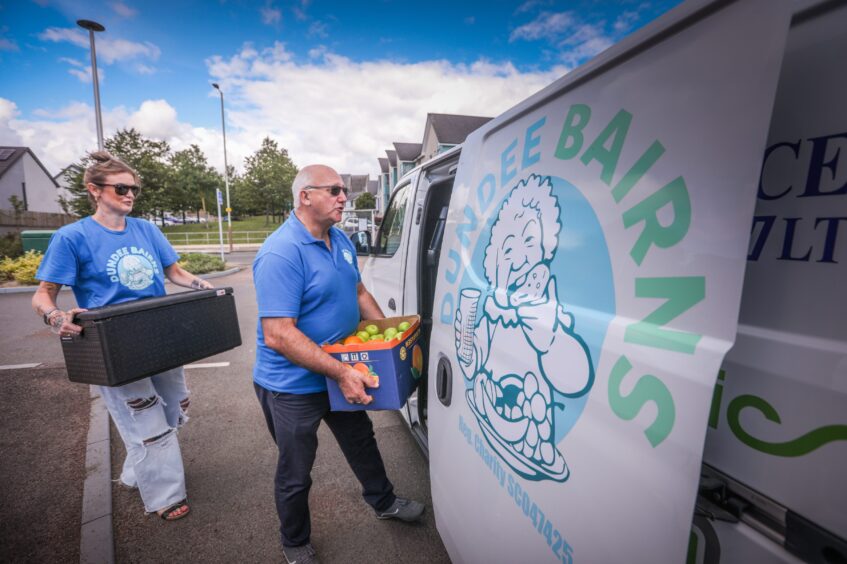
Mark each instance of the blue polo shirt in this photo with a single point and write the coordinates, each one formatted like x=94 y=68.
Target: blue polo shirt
x=297 y=275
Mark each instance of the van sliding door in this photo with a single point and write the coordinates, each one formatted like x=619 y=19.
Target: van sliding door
x=588 y=289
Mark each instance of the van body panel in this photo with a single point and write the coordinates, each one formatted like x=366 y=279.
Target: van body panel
x=779 y=421
x=386 y=264
x=588 y=289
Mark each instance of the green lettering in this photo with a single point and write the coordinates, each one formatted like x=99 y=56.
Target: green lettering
x=717 y=396
x=638 y=170
x=648 y=388
x=575 y=122
x=800 y=446
x=674 y=193
x=682 y=294
x=608 y=158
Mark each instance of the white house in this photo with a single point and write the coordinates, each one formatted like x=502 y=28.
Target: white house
x=23 y=177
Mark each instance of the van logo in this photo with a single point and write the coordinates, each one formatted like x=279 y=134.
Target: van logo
x=527 y=367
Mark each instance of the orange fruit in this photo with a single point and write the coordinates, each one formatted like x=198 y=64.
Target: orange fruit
x=365 y=370
x=417 y=358
x=352 y=340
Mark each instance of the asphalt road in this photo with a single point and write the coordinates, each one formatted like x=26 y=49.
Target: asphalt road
x=229 y=460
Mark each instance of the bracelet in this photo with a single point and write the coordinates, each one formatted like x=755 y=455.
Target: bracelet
x=47 y=315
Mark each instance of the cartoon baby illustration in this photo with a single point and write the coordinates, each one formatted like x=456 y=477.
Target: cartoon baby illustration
x=136 y=272
x=517 y=343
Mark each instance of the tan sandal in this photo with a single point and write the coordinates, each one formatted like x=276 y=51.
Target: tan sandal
x=170 y=513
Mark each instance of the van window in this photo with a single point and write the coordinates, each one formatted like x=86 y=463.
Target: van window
x=392 y=226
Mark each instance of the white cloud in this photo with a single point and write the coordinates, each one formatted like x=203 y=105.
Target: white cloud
x=271 y=15
x=109 y=49
x=61 y=137
x=8 y=45
x=300 y=11
x=72 y=62
x=80 y=70
x=530 y=5
x=346 y=113
x=574 y=40
x=544 y=26
x=141 y=68
x=123 y=10
x=625 y=21
x=318 y=29
x=329 y=109
x=84 y=74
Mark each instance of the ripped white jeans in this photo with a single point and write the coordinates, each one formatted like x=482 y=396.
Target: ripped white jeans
x=147 y=414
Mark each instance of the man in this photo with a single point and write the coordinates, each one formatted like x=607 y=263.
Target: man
x=310 y=292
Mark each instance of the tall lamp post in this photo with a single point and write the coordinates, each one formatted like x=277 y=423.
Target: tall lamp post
x=226 y=169
x=92 y=26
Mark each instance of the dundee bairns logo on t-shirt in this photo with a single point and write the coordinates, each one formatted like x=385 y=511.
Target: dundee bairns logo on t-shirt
x=133 y=267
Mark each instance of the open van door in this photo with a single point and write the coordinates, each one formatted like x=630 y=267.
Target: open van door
x=588 y=289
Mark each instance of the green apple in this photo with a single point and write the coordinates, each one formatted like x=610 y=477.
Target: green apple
x=390 y=333
x=402 y=327
x=364 y=335
x=378 y=337
x=372 y=329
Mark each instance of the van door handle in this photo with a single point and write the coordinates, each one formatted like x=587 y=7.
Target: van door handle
x=392 y=304
x=444 y=381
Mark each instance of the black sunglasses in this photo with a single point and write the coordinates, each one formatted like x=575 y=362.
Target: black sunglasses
x=333 y=190
x=122 y=189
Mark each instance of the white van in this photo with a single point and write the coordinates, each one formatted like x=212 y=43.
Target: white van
x=580 y=265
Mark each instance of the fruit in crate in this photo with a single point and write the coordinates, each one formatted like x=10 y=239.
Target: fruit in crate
x=352 y=340
x=390 y=333
x=364 y=336
x=366 y=371
x=372 y=329
x=403 y=326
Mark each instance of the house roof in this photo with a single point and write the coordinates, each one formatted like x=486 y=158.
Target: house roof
x=10 y=155
x=452 y=128
x=392 y=157
x=383 y=164
x=408 y=151
x=373 y=186
x=358 y=182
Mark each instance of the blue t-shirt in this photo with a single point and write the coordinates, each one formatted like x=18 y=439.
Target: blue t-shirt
x=297 y=275
x=105 y=267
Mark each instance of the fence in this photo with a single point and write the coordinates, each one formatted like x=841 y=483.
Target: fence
x=213 y=238
x=15 y=222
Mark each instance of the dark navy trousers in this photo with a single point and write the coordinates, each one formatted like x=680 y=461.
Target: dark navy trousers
x=293 y=421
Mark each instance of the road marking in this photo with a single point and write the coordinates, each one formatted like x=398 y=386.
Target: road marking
x=19 y=366
x=208 y=365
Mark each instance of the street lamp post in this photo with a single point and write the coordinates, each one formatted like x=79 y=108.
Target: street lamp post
x=226 y=169
x=92 y=26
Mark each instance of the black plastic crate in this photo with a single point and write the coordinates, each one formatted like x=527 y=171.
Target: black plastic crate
x=125 y=342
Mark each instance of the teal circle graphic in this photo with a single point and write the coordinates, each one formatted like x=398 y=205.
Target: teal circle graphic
x=583 y=272
x=135 y=272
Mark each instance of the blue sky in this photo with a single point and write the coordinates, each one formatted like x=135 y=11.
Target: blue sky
x=369 y=70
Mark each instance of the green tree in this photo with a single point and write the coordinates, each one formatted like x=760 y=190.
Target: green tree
x=192 y=183
x=147 y=156
x=268 y=174
x=365 y=202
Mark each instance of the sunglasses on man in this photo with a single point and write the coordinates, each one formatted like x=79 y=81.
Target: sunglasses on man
x=333 y=190
x=121 y=189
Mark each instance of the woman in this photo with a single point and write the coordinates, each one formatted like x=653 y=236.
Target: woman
x=109 y=258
